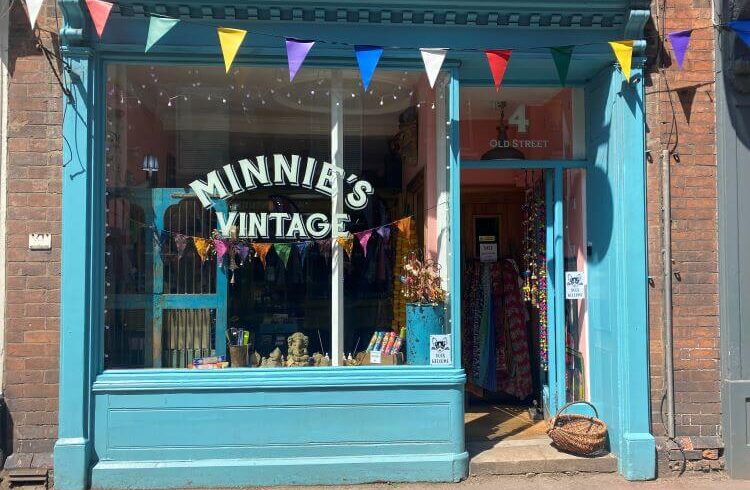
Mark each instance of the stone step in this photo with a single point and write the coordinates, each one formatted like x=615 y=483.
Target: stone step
x=537 y=455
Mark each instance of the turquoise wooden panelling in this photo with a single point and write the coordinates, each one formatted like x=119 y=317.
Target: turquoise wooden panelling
x=617 y=275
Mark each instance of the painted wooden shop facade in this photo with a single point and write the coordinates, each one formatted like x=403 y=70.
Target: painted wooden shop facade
x=167 y=427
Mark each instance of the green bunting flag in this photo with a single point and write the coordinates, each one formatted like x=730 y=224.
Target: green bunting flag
x=561 y=56
x=283 y=250
x=157 y=27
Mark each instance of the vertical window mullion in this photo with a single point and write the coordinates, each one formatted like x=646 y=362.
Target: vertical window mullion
x=337 y=207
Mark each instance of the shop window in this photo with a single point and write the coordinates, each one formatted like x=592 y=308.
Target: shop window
x=253 y=222
x=521 y=123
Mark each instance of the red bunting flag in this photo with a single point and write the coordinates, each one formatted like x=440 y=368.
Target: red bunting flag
x=498 y=61
x=99 y=12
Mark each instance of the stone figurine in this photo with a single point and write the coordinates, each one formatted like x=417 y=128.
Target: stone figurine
x=297 y=353
x=274 y=359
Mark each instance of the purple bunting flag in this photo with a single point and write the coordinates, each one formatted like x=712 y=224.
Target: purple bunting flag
x=679 y=41
x=296 y=52
x=180 y=242
x=243 y=251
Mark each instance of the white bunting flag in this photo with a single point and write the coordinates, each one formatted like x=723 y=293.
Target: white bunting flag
x=433 y=60
x=33 y=7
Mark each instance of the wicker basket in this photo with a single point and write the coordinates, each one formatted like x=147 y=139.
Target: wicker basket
x=578 y=434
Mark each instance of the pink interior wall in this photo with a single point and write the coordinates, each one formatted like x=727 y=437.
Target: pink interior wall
x=477 y=134
x=576 y=243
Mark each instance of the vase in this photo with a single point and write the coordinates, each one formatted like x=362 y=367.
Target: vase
x=422 y=320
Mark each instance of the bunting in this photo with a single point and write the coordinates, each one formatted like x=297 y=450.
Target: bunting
x=243 y=251
x=230 y=41
x=296 y=52
x=261 y=249
x=404 y=227
x=498 y=60
x=385 y=232
x=624 y=53
x=221 y=247
x=742 y=29
x=201 y=247
x=283 y=250
x=324 y=246
x=157 y=28
x=363 y=238
x=679 y=41
x=180 y=243
x=302 y=249
x=99 y=12
x=561 y=55
x=347 y=243
x=367 y=59
x=433 y=59
x=32 y=8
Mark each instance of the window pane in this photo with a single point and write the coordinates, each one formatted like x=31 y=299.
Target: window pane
x=519 y=124
x=167 y=127
x=394 y=138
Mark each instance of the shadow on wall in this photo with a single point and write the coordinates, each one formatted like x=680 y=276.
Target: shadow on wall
x=601 y=212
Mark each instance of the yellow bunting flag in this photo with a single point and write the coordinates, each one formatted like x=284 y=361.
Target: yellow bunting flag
x=404 y=227
x=347 y=243
x=230 y=40
x=624 y=53
x=201 y=246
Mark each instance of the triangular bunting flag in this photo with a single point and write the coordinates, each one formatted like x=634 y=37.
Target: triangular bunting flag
x=230 y=41
x=679 y=41
x=347 y=243
x=201 y=247
x=498 y=61
x=157 y=27
x=404 y=226
x=324 y=246
x=243 y=251
x=385 y=232
x=433 y=60
x=742 y=29
x=561 y=56
x=367 y=59
x=302 y=249
x=33 y=7
x=180 y=242
x=262 y=250
x=99 y=12
x=363 y=238
x=624 y=53
x=283 y=250
x=221 y=247
x=296 y=52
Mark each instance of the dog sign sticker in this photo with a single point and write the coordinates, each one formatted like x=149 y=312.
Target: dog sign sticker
x=440 y=350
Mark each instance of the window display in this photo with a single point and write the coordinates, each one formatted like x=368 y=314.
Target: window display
x=261 y=223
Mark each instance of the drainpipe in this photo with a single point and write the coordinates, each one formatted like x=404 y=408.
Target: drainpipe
x=667 y=289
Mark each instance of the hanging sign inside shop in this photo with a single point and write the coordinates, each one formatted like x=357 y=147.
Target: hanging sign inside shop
x=440 y=350
x=575 y=285
x=249 y=174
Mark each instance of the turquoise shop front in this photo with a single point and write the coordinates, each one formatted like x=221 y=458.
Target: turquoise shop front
x=239 y=249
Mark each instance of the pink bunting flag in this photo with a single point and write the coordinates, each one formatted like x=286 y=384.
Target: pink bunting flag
x=221 y=247
x=363 y=238
x=99 y=12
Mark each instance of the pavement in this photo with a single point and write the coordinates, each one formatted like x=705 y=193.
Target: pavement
x=577 y=481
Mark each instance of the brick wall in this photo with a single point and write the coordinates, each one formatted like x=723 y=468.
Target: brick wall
x=680 y=109
x=32 y=278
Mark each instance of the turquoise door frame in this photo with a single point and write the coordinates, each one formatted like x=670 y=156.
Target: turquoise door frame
x=127 y=428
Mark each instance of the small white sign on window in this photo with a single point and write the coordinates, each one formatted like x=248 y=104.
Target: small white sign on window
x=575 y=285
x=375 y=357
x=488 y=252
x=440 y=350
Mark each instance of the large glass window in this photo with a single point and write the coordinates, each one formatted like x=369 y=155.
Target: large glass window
x=253 y=222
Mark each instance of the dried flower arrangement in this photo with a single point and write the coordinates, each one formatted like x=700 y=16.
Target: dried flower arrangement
x=421 y=280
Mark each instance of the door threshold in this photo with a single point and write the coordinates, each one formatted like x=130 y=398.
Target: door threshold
x=533 y=455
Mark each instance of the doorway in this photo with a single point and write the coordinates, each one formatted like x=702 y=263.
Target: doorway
x=523 y=329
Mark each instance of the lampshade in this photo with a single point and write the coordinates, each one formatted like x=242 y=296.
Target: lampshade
x=150 y=164
x=503 y=151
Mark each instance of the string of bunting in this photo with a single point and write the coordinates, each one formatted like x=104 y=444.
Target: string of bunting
x=368 y=56
x=220 y=246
